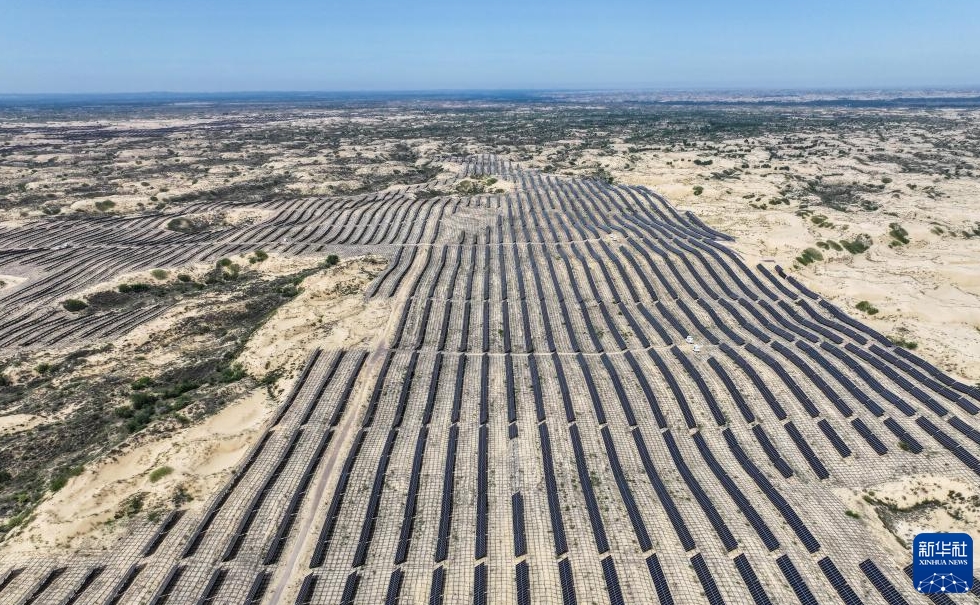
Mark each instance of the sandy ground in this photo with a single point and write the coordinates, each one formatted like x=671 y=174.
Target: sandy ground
x=81 y=514
x=14 y=423
x=9 y=281
x=330 y=312
x=907 y=493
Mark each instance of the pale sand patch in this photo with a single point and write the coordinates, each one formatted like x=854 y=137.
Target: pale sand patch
x=202 y=456
x=238 y=216
x=907 y=493
x=10 y=281
x=331 y=312
x=15 y=423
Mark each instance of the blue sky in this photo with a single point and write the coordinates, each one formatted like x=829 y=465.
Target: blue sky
x=250 y=45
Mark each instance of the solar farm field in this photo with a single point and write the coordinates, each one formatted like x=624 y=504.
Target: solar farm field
x=582 y=395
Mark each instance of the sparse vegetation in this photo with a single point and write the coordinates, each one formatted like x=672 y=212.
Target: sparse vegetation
x=900 y=341
x=74 y=305
x=899 y=235
x=857 y=245
x=810 y=255
x=159 y=473
x=867 y=307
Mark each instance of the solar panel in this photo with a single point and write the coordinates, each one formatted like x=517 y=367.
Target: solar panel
x=881 y=583
x=751 y=580
x=523 y=582
x=659 y=580
x=815 y=463
x=837 y=580
x=796 y=581
x=480 y=584
x=613 y=588
x=438 y=584
x=834 y=438
x=567 y=583
x=350 y=588
x=869 y=436
x=394 y=587
x=711 y=591
x=707 y=506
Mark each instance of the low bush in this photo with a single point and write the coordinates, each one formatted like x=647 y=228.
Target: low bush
x=74 y=305
x=159 y=473
x=233 y=373
x=867 y=307
x=857 y=245
x=899 y=235
x=141 y=400
x=61 y=477
x=899 y=341
x=809 y=255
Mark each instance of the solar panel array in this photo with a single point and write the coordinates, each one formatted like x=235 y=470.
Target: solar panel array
x=536 y=425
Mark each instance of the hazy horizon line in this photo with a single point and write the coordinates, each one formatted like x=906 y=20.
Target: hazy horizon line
x=597 y=89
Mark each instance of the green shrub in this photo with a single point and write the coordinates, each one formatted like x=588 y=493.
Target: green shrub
x=225 y=262
x=899 y=341
x=160 y=473
x=61 y=477
x=260 y=255
x=809 y=255
x=184 y=277
x=137 y=287
x=852 y=514
x=142 y=400
x=899 y=234
x=131 y=506
x=105 y=205
x=179 y=389
x=867 y=307
x=159 y=273
x=43 y=368
x=332 y=260
x=698 y=190
x=233 y=373
x=74 y=305
x=141 y=383
x=857 y=245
